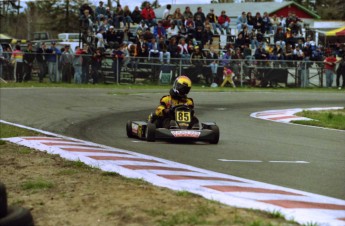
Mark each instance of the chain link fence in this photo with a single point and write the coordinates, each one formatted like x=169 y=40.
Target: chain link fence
x=158 y=69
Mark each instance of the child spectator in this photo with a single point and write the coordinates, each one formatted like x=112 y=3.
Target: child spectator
x=228 y=75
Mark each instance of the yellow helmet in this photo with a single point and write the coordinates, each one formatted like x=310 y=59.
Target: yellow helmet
x=182 y=85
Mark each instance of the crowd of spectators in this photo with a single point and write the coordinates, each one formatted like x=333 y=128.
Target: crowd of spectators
x=184 y=36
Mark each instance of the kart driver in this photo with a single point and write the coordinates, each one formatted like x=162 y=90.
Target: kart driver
x=178 y=96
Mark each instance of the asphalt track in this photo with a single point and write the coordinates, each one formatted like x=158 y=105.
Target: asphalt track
x=100 y=115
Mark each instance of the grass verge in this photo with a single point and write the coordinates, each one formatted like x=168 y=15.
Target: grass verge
x=334 y=119
x=61 y=192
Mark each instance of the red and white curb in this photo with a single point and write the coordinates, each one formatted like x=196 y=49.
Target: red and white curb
x=287 y=115
x=303 y=207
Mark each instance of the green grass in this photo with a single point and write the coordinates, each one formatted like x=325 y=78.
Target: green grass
x=13 y=131
x=37 y=184
x=334 y=119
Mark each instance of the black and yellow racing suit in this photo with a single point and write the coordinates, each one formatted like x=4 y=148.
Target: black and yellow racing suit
x=168 y=102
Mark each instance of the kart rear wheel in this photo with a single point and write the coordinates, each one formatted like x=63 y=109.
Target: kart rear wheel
x=129 y=129
x=215 y=130
x=150 y=132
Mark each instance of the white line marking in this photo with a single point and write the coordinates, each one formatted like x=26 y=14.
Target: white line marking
x=289 y=162
x=231 y=160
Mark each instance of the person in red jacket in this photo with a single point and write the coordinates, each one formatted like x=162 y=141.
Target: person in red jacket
x=224 y=22
x=148 y=15
x=330 y=63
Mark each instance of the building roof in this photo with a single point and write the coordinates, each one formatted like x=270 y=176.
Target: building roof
x=235 y=9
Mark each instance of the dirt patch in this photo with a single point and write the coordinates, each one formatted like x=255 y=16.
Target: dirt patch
x=60 y=192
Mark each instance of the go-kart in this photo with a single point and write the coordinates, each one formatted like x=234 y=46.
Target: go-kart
x=180 y=124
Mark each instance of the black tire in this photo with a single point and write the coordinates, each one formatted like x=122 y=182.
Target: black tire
x=17 y=216
x=150 y=132
x=215 y=130
x=3 y=200
x=129 y=129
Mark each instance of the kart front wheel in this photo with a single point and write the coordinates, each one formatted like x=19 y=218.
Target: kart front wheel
x=150 y=132
x=215 y=130
x=129 y=129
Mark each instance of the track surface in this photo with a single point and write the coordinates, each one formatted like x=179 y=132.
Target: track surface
x=100 y=116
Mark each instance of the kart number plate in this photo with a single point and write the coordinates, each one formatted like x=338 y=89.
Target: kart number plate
x=183 y=116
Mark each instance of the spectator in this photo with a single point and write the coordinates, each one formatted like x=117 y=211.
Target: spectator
x=294 y=23
x=118 y=16
x=88 y=8
x=330 y=63
x=42 y=62
x=86 y=60
x=148 y=35
x=276 y=23
x=199 y=37
x=240 y=41
x=2 y=61
x=208 y=36
x=108 y=15
x=86 y=21
x=173 y=48
x=100 y=39
x=53 y=55
x=172 y=31
x=111 y=35
x=258 y=23
x=117 y=56
x=136 y=15
x=100 y=11
x=213 y=19
x=66 y=61
x=141 y=28
x=266 y=24
x=199 y=15
x=278 y=55
x=128 y=37
x=148 y=15
x=96 y=63
x=187 y=13
x=184 y=51
x=213 y=62
x=198 y=21
x=237 y=58
x=197 y=59
x=183 y=32
x=224 y=22
x=246 y=35
x=242 y=22
x=142 y=48
x=164 y=55
x=17 y=58
x=250 y=20
x=341 y=72
x=228 y=77
x=159 y=31
x=104 y=25
x=166 y=12
x=127 y=19
x=153 y=49
x=190 y=25
x=226 y=58
x=29 y=58
x=77 y=65
x=178 y=17
x=279 y=36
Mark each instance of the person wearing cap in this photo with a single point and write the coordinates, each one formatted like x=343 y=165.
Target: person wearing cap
x=66 y=61
x=213 y=19
x=52 y=57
